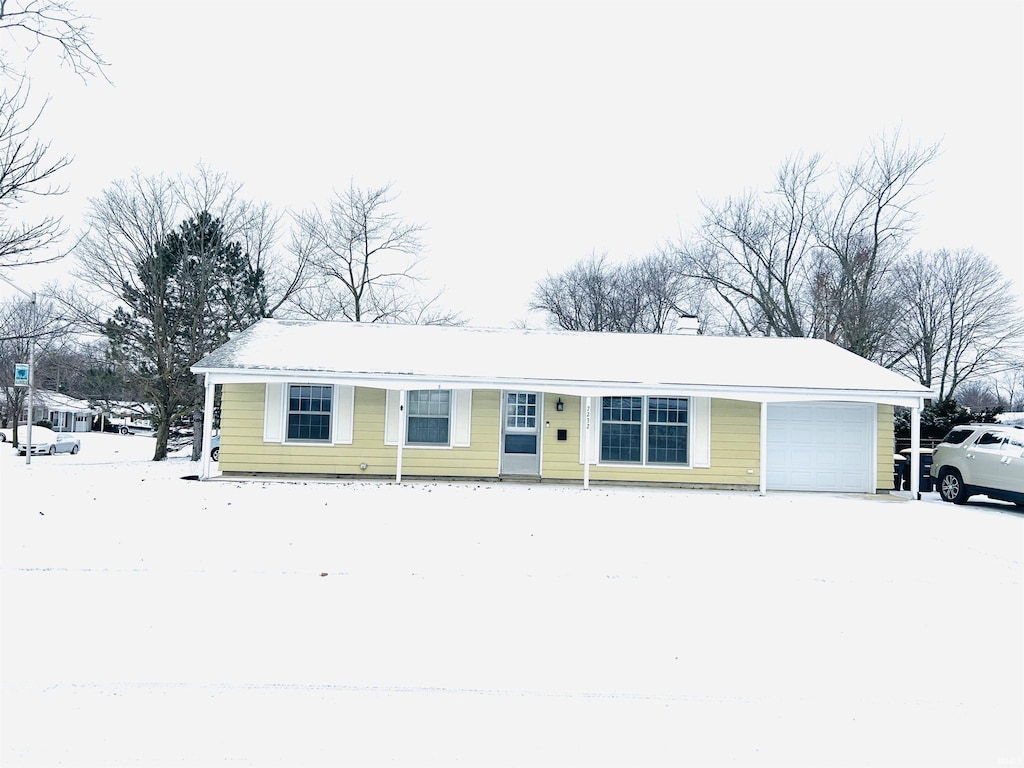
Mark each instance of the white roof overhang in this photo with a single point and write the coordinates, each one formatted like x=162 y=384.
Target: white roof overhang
x=429 y=357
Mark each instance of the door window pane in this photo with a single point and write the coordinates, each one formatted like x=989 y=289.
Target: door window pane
x=521 y=410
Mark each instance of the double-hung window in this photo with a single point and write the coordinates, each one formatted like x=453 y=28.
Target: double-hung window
x=645 y=430
x=309 y=413
x=429 y=417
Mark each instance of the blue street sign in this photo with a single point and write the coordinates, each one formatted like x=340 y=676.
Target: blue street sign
x=20 y=375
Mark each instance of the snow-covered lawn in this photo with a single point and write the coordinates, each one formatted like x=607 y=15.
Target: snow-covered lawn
x=152 y=620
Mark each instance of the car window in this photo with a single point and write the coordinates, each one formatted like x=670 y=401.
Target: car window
x=957 y=436
x=990 y=439
x=1014 y=445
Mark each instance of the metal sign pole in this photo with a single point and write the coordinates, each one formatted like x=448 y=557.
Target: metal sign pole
x=31 y=372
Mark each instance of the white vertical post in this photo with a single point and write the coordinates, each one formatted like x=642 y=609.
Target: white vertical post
x=401 y=434
x=762 y=470
x=204 y=460
x=31 y=388
x=587 y=406
x=915 y=452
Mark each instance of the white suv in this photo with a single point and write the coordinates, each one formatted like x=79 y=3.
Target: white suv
x=980 y=459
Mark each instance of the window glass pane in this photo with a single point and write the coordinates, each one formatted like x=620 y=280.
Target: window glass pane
x=666 y=444
x=667 y=430
x=622 y=409
x=521 y=410
x=309 y=413
x=621 y=428
x=429 y=411
x=620 y=442
x=520 y=444
x=427 y=429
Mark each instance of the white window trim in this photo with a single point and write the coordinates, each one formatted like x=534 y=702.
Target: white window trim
x=275 y=414
x=537 y=414
x=698 y=437
x=459 y=421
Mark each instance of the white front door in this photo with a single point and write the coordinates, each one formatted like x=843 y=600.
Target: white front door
x=520 y=433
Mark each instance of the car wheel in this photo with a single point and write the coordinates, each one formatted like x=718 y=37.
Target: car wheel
x=3 y=437
x=74 y=449
x=215 y=454
x=53 y=450
x=951 y=486
x=124 y=430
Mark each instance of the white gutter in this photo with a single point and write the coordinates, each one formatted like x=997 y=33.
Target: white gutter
x=908 y=398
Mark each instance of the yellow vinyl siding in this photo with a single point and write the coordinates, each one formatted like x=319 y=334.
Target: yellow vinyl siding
x=243 y=448
x=735 y=434
x=734 y=431
x=886 y=446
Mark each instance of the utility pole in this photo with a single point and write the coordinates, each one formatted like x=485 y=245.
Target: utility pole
x=31 y=373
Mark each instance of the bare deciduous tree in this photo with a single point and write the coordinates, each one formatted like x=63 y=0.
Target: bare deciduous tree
x=809 y=260
x=32 y=24
x=27 y=165
x=867 y=225
x=1009 y=385
x=22 y=325
x=647 y=295
x=757 y=253
x=363 y=261
x=27 y=169
x=959 y=320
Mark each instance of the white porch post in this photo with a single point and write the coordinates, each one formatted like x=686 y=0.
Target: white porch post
x=204 y=460
x=915 y=452
x=587 y=406
x=762 y=471
x=401 y=434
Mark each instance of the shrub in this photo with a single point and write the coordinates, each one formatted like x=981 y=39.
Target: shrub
x=940 y=417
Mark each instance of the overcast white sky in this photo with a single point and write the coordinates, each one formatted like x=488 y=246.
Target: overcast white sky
x=527 y=134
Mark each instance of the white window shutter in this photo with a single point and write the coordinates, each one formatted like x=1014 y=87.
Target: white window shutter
x=391 y=415
x=700 y=434
x=463 y=400
x=273 y=414
x=342 y=416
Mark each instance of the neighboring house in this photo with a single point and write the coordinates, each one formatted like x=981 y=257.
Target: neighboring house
x=356 y=399
x=127 y=415
x=67 y=414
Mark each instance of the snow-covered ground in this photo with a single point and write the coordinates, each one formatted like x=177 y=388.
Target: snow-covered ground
x=151 y=620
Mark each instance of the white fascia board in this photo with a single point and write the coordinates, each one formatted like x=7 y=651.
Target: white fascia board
x=748 y=393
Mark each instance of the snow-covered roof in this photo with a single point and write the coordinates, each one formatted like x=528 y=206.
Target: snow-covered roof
x=56 y=401
x=417 y=356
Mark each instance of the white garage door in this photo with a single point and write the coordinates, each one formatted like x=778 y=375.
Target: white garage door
x=821 y=447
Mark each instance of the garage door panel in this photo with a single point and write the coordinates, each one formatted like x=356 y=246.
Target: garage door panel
x=821 y=446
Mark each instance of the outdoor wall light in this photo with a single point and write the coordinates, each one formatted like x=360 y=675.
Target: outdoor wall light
x=559 y=406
